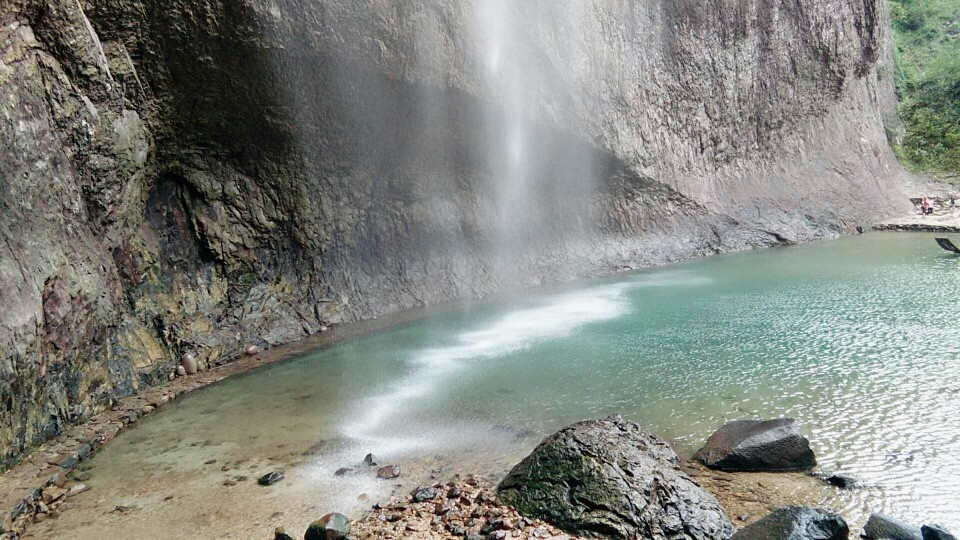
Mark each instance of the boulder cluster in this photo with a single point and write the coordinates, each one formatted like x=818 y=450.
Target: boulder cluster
x=610 y=479
x=43 y=503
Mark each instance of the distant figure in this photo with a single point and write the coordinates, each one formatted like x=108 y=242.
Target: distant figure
x=925 y=206
x=953 y=200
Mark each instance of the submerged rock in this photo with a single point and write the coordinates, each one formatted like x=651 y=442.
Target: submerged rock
x=610 y=478
x=389 y=472
x=270 y=478
x=758 y=445
x=796 y=523
x=842 y=481
x=329 y=527
x=881 y=527
x=936 y=532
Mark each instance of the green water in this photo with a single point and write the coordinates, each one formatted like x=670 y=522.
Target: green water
x=857 y=338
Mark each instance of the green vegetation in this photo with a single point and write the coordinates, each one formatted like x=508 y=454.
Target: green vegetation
x=927 y=51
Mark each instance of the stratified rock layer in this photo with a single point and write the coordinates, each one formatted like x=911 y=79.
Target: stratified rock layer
x=611 y=479
x=195 y=176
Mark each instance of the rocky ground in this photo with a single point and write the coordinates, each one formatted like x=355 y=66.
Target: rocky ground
x=463 y=508
x=467 y=506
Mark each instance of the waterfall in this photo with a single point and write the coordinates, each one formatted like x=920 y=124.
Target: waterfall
x=542 y=184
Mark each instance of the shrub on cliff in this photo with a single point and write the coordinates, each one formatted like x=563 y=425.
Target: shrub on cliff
x=927 y=50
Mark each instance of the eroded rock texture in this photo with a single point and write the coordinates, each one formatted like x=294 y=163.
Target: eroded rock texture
x=609 y=479
x=198 y=174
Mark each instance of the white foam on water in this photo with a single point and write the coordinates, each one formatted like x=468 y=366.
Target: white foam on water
x=382 y=423
x=517 y=330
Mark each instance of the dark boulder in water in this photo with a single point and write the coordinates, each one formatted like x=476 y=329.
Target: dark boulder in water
x=329 y=527
x=842 y=481
x=796 y=523
x=758 y=445
x=881 y=527
x=936 y=532
x=610 y=478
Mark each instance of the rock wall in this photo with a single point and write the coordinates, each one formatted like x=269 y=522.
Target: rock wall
x=199 y=174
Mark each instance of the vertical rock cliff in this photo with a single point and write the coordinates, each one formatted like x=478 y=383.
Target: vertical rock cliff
x=197 y=174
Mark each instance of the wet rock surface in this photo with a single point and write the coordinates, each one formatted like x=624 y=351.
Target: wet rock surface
x=610 y=478
x=883 y=527
x=842 y=481
x=270 y=478
x=936 y=532
x=796 y=523
x=758 y=445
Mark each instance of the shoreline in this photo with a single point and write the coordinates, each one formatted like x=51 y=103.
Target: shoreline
x=946 y=220
x=22 y=485
x=42 y=476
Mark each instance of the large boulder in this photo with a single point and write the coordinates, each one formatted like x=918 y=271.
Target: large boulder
x=609 y=478
x=881 y=527
x=758 y=445
x=796 y=523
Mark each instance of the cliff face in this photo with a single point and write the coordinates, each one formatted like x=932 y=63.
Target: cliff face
x=199 y=174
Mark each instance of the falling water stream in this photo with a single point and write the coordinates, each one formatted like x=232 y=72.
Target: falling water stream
x=854 y=338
